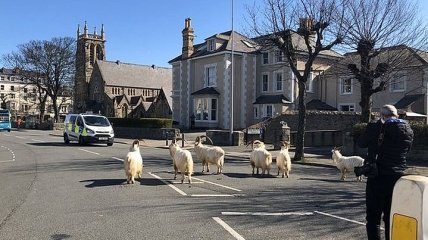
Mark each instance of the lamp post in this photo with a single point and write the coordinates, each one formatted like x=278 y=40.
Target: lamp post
x=231 y=86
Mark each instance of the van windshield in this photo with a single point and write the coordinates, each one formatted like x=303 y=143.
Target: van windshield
x=96 y=121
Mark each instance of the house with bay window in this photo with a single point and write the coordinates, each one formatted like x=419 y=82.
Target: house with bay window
x=205 y=93
x=406 y=83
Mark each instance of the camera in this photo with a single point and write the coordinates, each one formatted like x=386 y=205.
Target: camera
x=368 y=170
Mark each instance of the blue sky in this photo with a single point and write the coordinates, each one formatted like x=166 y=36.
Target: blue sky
x=137 y=31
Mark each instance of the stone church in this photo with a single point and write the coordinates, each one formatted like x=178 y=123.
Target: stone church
x=117 y=89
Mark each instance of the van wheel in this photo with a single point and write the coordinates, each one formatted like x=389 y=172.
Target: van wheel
x=110 y=144
x=66 y=140
x=81 y=141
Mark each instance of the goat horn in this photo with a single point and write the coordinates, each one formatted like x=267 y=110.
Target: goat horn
x=251 y=142
x=209 y=139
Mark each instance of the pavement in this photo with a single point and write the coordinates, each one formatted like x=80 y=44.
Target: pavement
x=315 y=156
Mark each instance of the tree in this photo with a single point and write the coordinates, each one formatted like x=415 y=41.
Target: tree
x=49 y=65
x=318 y=26
x=383 y=33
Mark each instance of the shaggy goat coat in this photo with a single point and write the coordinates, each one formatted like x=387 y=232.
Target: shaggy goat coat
x=210 y=155
x=261 y=158
x=133 y=163
x=346 y=164
x=283 y=162
x=182 y=161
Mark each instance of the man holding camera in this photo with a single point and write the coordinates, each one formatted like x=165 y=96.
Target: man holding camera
x=388 y=141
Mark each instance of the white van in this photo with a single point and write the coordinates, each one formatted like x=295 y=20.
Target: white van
x=88 y=128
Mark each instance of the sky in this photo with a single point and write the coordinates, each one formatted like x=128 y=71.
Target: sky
x=142 y=32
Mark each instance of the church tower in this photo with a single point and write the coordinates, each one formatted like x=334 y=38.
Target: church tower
x=90 y=47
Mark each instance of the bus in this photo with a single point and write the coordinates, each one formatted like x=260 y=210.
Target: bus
x=5 y=120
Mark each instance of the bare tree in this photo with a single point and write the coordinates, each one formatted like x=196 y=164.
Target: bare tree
x=383 y=34
x=47 y=64
x=301 y=30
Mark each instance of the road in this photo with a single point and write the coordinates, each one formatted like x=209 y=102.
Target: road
x=49 y=190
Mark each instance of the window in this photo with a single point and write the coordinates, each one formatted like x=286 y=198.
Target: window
x=12 y=96
x=2 y=78
x=265 y=58
x=210 y=76
x=346 y=86
x=12 y=88
x=12 y=78
x=256 y=112
x=265 y=82
x=213 y=109
x=34 y=90
x=269 y=110
x=211 y=45
x=347 y=107
x=278 y=81
x=278 y=56
x=310 y=85
x=25 y=90
x=2 y=87
x=398 y=84
x=205 y=109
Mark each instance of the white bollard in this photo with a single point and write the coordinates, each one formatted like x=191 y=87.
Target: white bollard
x=409 y=209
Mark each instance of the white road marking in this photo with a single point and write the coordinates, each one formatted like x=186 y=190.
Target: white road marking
x=267 y=214
x=120 y=159
x=20 y=137
x=231 y=188
x=342 y=218
x=228 y=228
x=169 y=184
x=81 y=149
x=36 y=140
x=211 y=195
x=179 y=182
x=13 y=154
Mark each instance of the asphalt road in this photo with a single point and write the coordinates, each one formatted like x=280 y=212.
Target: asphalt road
x=49 y=190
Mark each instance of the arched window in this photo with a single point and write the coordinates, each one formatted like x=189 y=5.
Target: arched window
x=100 y=52
x=92 y=52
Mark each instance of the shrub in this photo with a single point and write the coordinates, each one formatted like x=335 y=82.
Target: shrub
x=141 y=122
x=420 y=133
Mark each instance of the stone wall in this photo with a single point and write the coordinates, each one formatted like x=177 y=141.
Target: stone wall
x=148 y=133
x=323 y=128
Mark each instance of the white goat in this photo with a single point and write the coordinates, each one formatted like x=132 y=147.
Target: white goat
x=346 y=164
x=209 y=155
x=283 y=160
x=260 y=157
x=134 y=163
x=182 y=161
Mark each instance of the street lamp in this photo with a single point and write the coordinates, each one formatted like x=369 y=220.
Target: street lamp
x=231 y=87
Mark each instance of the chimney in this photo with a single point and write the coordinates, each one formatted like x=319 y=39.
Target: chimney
x=188 y=37
x=306 y=27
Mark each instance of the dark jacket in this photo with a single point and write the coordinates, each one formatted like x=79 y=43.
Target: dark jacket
x=392 y=149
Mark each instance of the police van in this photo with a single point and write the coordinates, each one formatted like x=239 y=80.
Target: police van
x=88 y=128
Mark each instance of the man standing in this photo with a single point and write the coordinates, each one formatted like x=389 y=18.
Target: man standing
x=388 y=141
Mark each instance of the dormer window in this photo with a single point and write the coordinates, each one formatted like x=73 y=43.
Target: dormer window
x=211 y=45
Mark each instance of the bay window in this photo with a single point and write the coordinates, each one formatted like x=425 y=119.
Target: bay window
x=206 y=109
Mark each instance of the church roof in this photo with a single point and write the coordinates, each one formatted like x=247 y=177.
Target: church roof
x=116 y=73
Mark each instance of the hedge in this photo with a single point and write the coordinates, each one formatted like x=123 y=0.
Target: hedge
x=420 y=131
x=141 y=122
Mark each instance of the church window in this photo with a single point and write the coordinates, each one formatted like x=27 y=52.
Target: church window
x=92 y=52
